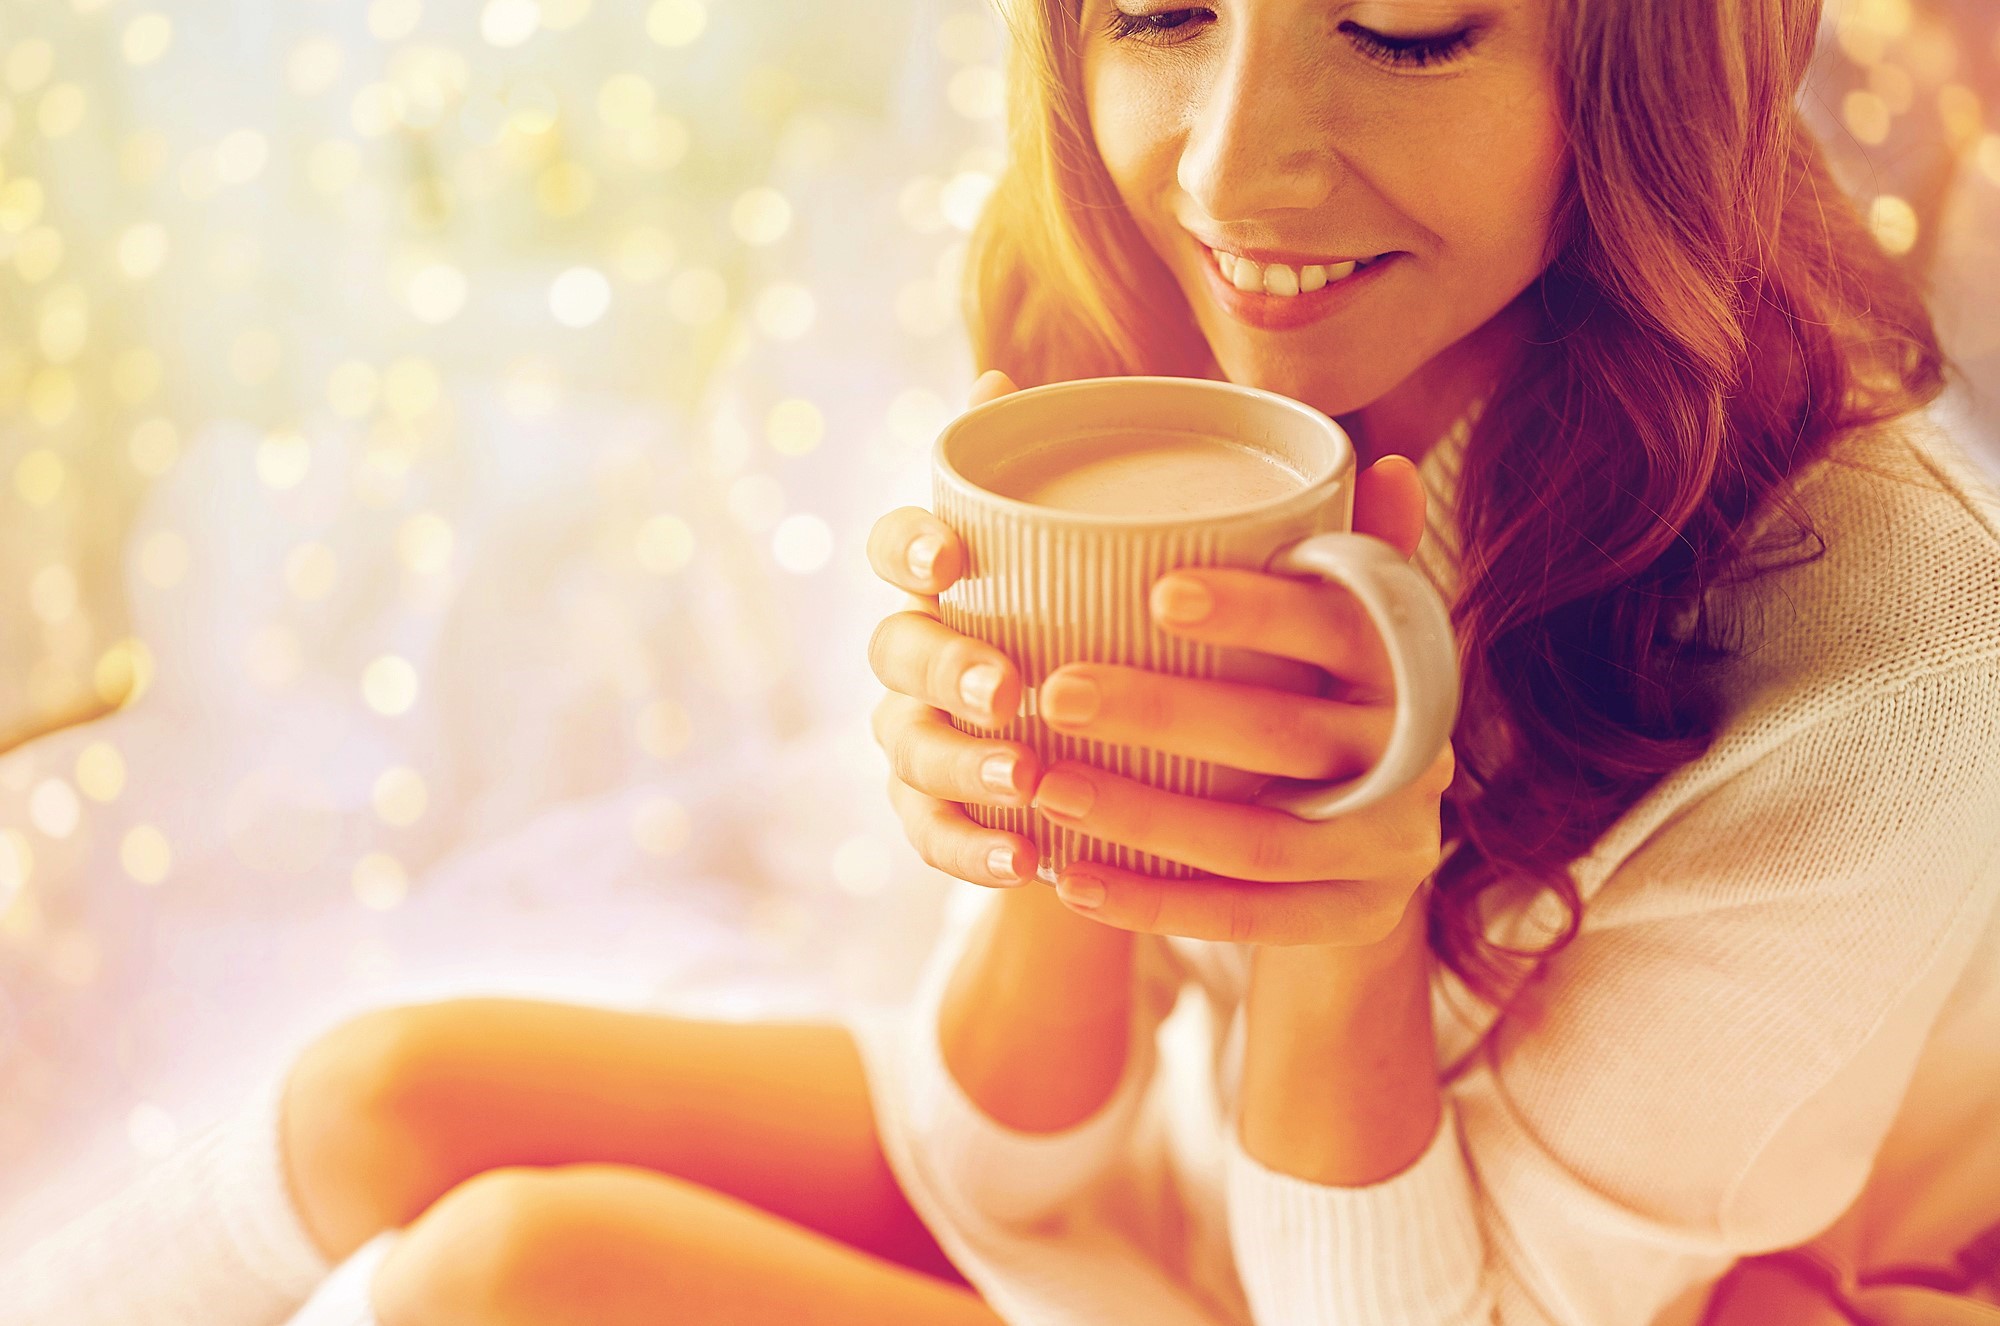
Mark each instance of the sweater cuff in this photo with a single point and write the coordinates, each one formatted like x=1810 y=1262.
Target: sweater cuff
x=999 y=1173
x=1407 y=1251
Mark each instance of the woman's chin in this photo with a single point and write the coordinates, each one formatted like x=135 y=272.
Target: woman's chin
x=1302 y=379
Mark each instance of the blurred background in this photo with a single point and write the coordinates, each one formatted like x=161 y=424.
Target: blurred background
x=437 y=439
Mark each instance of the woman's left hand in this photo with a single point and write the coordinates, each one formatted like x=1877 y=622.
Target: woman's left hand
x=1276 y=878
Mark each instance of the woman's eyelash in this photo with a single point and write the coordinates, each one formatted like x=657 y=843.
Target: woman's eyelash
x=1118 y=25
x=1409 y=50
x=1153 y=30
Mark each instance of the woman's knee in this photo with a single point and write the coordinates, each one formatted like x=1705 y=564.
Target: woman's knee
x=353 y=1128
x=511 y=1245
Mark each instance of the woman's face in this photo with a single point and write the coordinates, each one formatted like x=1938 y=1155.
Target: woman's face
x=1420 y=134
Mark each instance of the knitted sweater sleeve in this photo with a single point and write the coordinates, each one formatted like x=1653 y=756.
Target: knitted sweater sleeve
x=1709 y=1068
x=990 y=1172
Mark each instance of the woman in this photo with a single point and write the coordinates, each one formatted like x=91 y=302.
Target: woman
x=1679 y=954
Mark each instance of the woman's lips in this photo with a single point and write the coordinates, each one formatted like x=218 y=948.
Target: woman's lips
x=1270 y=312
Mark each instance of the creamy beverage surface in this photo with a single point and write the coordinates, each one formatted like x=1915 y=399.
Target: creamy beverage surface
x=1129 y=473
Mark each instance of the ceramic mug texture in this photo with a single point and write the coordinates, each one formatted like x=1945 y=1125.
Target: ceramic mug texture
x=1049 y=586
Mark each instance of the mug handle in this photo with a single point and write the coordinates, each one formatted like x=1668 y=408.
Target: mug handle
x=1423 y=660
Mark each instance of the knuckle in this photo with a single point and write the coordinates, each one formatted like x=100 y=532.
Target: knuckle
x=1238 y=917
x=1304 y=743
x=1150 y=911
x=878 y=646
x=1269 y=854
x=904 y=764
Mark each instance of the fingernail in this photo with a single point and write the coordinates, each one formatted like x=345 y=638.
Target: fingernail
x=997 y=772
x=923 y=553
x=1069 y=699
x=1000 y=863
x=1181 y=600
x=1065 y=793
x=1080 y=891
x=977 y=685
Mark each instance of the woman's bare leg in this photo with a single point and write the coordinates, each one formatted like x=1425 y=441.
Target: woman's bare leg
x=389 y=1112
x=609 y=1245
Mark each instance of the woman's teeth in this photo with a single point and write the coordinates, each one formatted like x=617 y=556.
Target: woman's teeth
x=1275 y=278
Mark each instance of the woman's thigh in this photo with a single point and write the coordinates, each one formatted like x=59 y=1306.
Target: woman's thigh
x=774 y=1113
x=610 y=1245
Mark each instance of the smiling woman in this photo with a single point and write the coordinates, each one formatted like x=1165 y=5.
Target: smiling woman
x=1663 y=993
x=1715 y=852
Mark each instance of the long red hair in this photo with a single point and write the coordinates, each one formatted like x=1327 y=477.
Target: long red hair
x=1716 y=315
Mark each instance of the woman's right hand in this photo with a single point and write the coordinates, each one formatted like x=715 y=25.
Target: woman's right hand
x=933 y=671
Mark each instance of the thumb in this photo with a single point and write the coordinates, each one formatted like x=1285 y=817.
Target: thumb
x=991 y=385
x=1389 y=503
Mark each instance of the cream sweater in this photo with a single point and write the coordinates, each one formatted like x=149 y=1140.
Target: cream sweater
x=1784 y=1006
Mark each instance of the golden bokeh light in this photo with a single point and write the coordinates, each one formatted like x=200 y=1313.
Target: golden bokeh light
x=52 y=392
x=435 y=293
x=676 y=22
x=794 y=427
x=142 y=250
x=124 y=672
x=785 y=311
x=389 y=685
x=411 y=388
x=761 y=215
x=508 y=23
x=147 y=38
x=802 y=543
x=53 y=808
x=400 y=796
x=626 y=101
x=39 y=477
x=579 y=297
x=380 y=882
x=393 y=20
x=146 y=854
x=17 y=861
x=283 y=459
x=27 y=64
x=1894 y=222
x=664 y=544
x=100 y=771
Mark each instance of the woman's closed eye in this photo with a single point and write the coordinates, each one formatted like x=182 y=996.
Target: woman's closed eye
x=1173 y=27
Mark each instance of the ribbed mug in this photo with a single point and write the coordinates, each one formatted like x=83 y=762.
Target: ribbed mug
x=1049 y=586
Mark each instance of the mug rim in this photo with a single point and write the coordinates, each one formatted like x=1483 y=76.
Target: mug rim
x=1313 y=494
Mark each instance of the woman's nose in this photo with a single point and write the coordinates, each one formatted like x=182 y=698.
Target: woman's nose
x=1258 y=141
